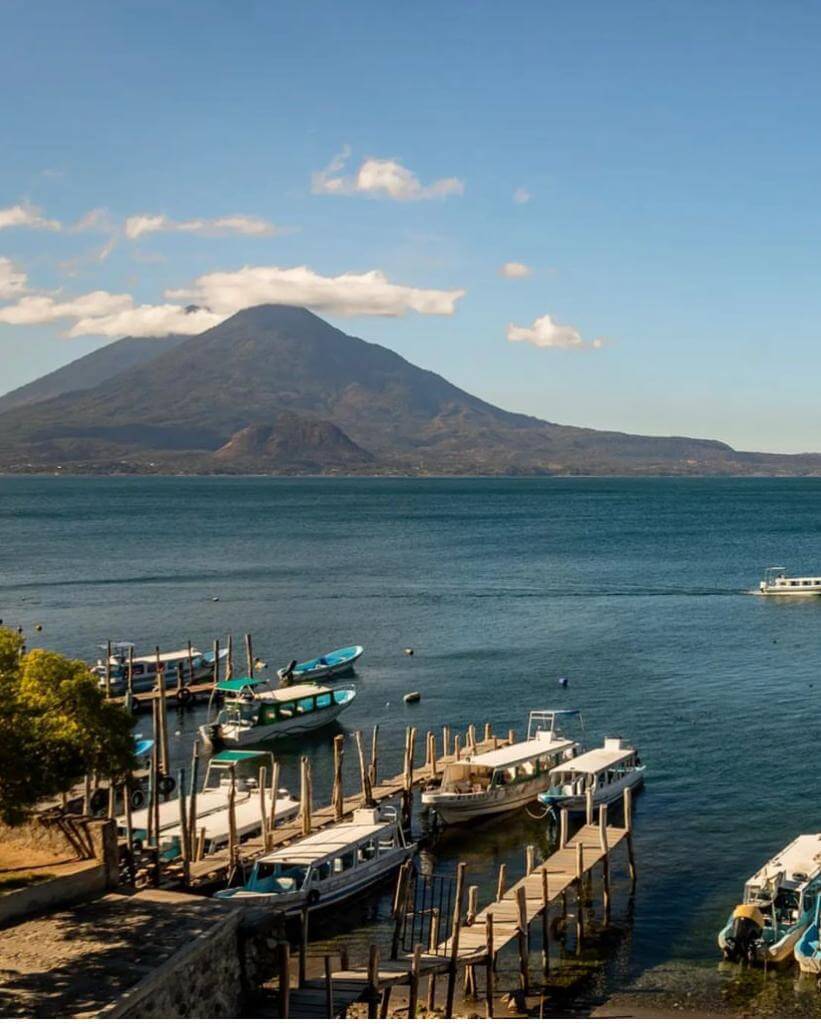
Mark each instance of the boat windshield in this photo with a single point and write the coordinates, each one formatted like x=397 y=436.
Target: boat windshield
x=276 y=876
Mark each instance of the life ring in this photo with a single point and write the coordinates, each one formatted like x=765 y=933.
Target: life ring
x=137 y=799
x=167 y=785
x=313 y=897
x=99 y=800
x=184 y=696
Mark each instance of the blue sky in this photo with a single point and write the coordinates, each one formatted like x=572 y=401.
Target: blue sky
x=670 y=154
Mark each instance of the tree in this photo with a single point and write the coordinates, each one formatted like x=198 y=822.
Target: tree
x=57 y=727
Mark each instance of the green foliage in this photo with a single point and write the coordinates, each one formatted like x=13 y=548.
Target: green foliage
x=56 y=727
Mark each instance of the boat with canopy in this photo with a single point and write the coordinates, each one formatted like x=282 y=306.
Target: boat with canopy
x=605 y=772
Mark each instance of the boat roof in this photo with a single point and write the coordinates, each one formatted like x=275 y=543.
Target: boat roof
x=595 y=760
x=164 y=655
x=542 y=743
x=235 y=756
x=284 y=693
x=801 y=856
x=329 y=842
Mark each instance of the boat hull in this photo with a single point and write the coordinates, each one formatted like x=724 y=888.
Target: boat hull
x=455 y=808
x=608 y=795
x=233 y=738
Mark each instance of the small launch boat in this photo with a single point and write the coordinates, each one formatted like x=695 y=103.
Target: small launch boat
x=808 y=948
x=330 y=866
x=777 y=583
x=606 y=771
x=192 y=666
x=778 y=906
x=335 y=663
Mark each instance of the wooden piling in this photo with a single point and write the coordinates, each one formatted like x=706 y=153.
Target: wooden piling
x=522 y=936
x=229 y=658
x=338 y=794
x=305 y=801
x=263 y=811
x=216 y=673
x=628 y=825
x=87 y=795
x=413 y=988
x=249 y=657
x=605 y=861
x=579 y=893
x=303 y=944
x=232 y=824
x=185 y=846
x=163 y=715
x=588 y=806
x=112 y=798
x=471 y=738
x=129 y=831
x=364 y=777
x=108 y=668
x=284 y=971
x=501 y=882
x=487 y=732
x=433 y=753
x=190 y=664
x=470 y=917
x=563 y=827
x=530 y=859
x=445 y=740
x=511 y=737
x=192 y=797
x=200 y=844
x=373 y=981
x=490 y=966
x=272 y=824
x=372 y=768
x=456 y=930
x=545 y=925
x=329 y=989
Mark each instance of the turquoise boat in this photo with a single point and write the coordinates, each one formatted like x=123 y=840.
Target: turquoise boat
x=335 y=663
x=808 y=950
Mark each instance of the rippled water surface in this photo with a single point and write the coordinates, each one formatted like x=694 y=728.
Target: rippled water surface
x=637 y=590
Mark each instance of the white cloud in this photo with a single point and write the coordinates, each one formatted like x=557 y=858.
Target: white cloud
x=366 y=294
x=521 y=195
x=13 y=280
x=380 y=178
x=237 y=224
x=147 y=321
x=98 y=219
x=544 y=332
x=513 y=269
x=43 y=309
x=24 y=215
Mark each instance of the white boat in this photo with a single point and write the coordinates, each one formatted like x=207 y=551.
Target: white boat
x=192 y=667
x=777 y=584
x=327 y=867
x=213 y=803
x=504 y=779
x=606 y=771
x=777 y=907
x=254 y=712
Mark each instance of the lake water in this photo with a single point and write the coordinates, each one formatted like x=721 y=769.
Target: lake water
x=638 y=591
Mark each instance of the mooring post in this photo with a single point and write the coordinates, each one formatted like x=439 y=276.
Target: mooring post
x=249 y=657
x=154 y=812
x=185 y=843
x=545 y=924
x=579 y=887
x=364 y=777
x=445 y=740
x=400 y=894
x=521 y=914
x=471 y=737
x=163 y=715
x=563 y=826
x=284 y=970
x=108 y=668
x=229 y=658
x=511 y=737
x=303 y=945
x=192 y=797
x=274 y=793
x=490 y=965
x=129 y=690
x=180 y=685
x=215 y=678
x=433 y=755
x=455 y=932
x=373 y=767
x=530 y=859
x=588 y=806
x=428 y=738
x=433 y=945
x=305 y=794
x=232 y=823
x=500 y=882
x=470 y=917
x=373 y=981
x=329 y=989
x=200 y=844
x=628 y=826
x=190 y=664
x=338 y=797
x=129 y=831
x=263 y=810
x=413 y=994
x=603 y=842
x=487 y=732
x=112 y=798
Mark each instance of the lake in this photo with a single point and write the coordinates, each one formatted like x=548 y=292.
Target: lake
x=636 y=590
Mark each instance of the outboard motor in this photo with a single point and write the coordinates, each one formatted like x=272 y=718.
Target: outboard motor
x=288 y=674
x=744 y=944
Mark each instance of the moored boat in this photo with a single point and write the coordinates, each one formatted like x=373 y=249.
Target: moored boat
x=605 y=772
x=326 y=666
x=192 y=666
x=505 y=779
x=254 y=712
x=776 y=583
x=328 y=867
x=777 y=907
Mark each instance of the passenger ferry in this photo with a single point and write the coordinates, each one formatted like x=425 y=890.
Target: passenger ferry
x=777 y=907
x=505 y=779
x=327 y=867
x=776 y=583
x=606 y=771
x=254 y=712
x=144 y=668
x=213 y=807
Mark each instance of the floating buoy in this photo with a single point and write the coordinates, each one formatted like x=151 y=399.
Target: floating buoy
x=39 y=628
x=409 y=651
x=413 y=697
x=563 y=681
x=215 y=599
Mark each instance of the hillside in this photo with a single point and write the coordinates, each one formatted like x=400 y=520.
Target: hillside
x=215 y=403
x=90 y=370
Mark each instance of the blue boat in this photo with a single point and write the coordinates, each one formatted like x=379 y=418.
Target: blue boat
x=807 y=950
x=335 y=663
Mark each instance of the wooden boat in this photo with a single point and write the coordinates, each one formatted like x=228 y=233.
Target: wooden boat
x=254 y=712
x=328 y=867
x=808 y=948
x=326 y=666
x=502 y=780
x=606 y=772
x=777 y=584
x=778 y=906
x=213 y=803
x=193 y=667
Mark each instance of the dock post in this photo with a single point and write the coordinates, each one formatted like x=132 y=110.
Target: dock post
x=229 y=659
x=490 y=966
x=445 y=740
x=200 y=844
x=470 y=917
x=274 y=793
x=216 y=675
x=487 y=732
x=372 y=768
x=471 y=737
x=433 y=945
x=400 y=894
x=108 y=669
x=190 y=664
x=579 y=898
x=588 y=807
x=163 y=718
x=303 y=945
x=511 y=737
x=154 y=810
x=563 y=824
x=129 y=831
x=185 y=836
x=413 y=993
x=284 y=971
x=87 y=795
x=263 y=810
x=628 y=827
x=249 y=657
x=605 y=861
x=329 y=989
x=192 y=798
x=428 y=738
x=500 y=883
x=373 y=981
x=521 y=912
x=305 y=794
x=457 y=744
x=545 y=925
x=232 y=824
x=364 y=777
x=338 y=797
x=180 y=684
x=530 y=859
x=129 y=679
x=455 y=933
x=433 y=755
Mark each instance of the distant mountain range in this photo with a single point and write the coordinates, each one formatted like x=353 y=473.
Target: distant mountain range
x=276 y=389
